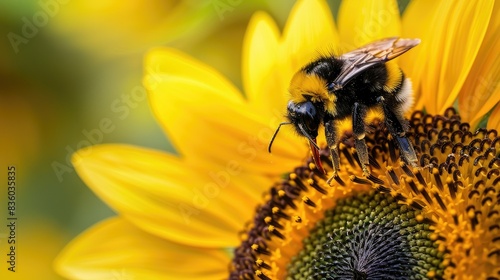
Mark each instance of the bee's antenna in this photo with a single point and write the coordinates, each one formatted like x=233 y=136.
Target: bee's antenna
x=276 y=133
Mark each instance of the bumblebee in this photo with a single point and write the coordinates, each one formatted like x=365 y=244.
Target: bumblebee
x=348 y=93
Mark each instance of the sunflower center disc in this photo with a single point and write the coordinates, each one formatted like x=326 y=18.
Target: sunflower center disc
x=368 y=236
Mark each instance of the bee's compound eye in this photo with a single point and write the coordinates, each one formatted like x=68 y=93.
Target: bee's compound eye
x=306 y=109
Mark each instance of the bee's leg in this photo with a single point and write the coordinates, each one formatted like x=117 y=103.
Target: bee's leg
x=397 y=127
x=358 y=128
x=332 y=141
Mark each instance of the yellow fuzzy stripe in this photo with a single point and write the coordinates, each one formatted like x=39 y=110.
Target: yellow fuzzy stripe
x=304 y=85
x=394 y=76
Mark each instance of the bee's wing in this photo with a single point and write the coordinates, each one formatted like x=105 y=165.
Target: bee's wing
x=356 y=61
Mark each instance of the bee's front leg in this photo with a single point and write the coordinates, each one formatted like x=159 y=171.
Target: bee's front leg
x=358 y=129
x=332 y=141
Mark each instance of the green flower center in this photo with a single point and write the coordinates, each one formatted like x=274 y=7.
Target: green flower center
x=368 y=236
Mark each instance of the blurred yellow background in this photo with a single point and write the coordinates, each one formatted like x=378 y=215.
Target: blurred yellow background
x=71 y=76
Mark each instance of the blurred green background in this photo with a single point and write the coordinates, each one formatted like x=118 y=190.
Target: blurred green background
x=67 y=65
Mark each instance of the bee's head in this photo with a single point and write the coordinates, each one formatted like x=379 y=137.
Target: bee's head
x=306 y=117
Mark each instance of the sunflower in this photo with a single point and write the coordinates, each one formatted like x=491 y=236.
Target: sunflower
x=225 y=208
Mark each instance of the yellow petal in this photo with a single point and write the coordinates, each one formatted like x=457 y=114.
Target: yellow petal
x=116 y=249
x=162 y=62
x=481 y=90
x=494 y=119
x=167 y=197
x=214 y=127
x=418 y=23
x=451 y=44
x=362 y=22
x=309 y=32
x=260 y=49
